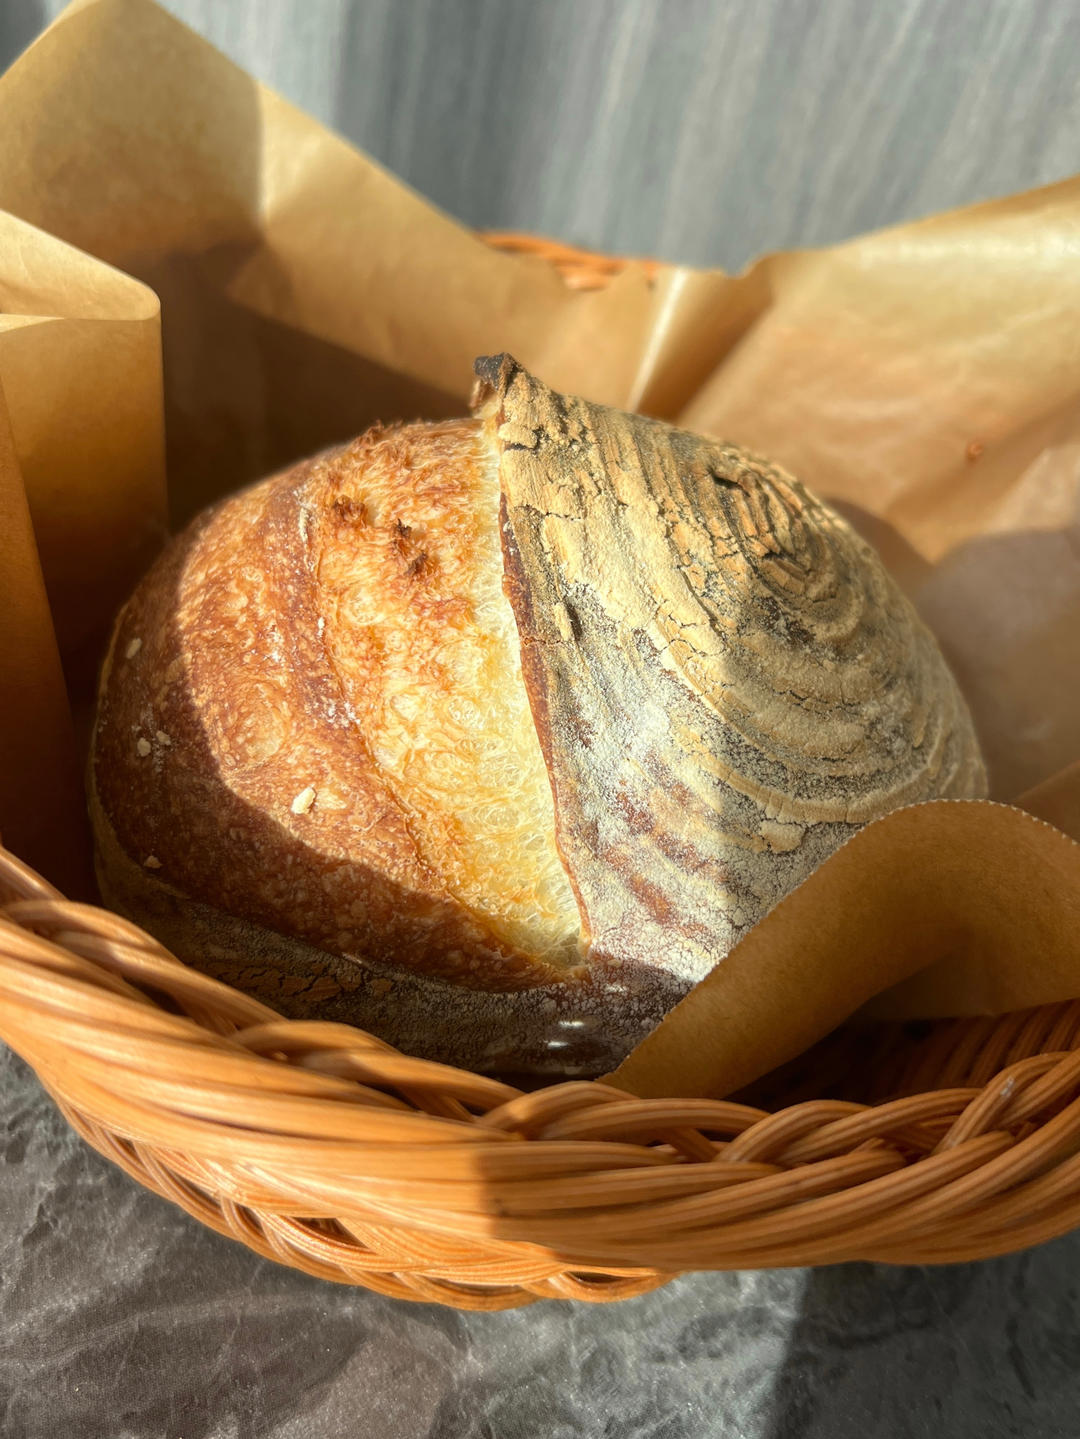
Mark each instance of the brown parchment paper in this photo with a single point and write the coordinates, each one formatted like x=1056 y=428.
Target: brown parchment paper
x=188 y=262
x=39 y=783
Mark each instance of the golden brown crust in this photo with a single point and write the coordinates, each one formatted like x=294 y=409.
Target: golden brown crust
x=557 y=1028
x=248 y=685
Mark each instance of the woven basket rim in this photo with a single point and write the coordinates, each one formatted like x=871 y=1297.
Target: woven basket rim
x=323 y=1148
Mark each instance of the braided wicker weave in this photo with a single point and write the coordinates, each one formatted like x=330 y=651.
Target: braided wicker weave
x=321 y=1147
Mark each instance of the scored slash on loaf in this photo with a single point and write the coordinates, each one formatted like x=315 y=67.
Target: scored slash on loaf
x=495 y=735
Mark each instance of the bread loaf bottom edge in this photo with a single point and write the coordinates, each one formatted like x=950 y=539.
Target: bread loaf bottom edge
x=577 y=1029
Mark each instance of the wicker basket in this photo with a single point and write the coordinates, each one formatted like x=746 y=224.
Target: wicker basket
x=321 y=1147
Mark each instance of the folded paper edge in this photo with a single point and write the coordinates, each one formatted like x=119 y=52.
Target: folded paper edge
x=715 y=1040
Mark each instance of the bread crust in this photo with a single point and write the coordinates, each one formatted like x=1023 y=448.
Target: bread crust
x=563 y=1028
x=244 y=694
x=493 y=736
x=725 y=680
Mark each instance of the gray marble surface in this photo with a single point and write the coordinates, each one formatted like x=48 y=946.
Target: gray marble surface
x=703 y=132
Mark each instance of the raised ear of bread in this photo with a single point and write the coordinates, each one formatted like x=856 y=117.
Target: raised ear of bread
x=555 y=702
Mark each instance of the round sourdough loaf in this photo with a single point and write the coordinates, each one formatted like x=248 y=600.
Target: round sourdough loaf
x=493 y=736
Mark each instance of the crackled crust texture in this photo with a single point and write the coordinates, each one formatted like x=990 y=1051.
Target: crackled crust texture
x=726 y=681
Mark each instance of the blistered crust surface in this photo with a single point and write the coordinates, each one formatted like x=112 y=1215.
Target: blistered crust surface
x=313 y=716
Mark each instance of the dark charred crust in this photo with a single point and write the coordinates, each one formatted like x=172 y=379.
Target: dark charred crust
x=494 y=376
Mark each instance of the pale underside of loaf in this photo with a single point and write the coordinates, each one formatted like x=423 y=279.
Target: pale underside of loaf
x=554 y=1028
